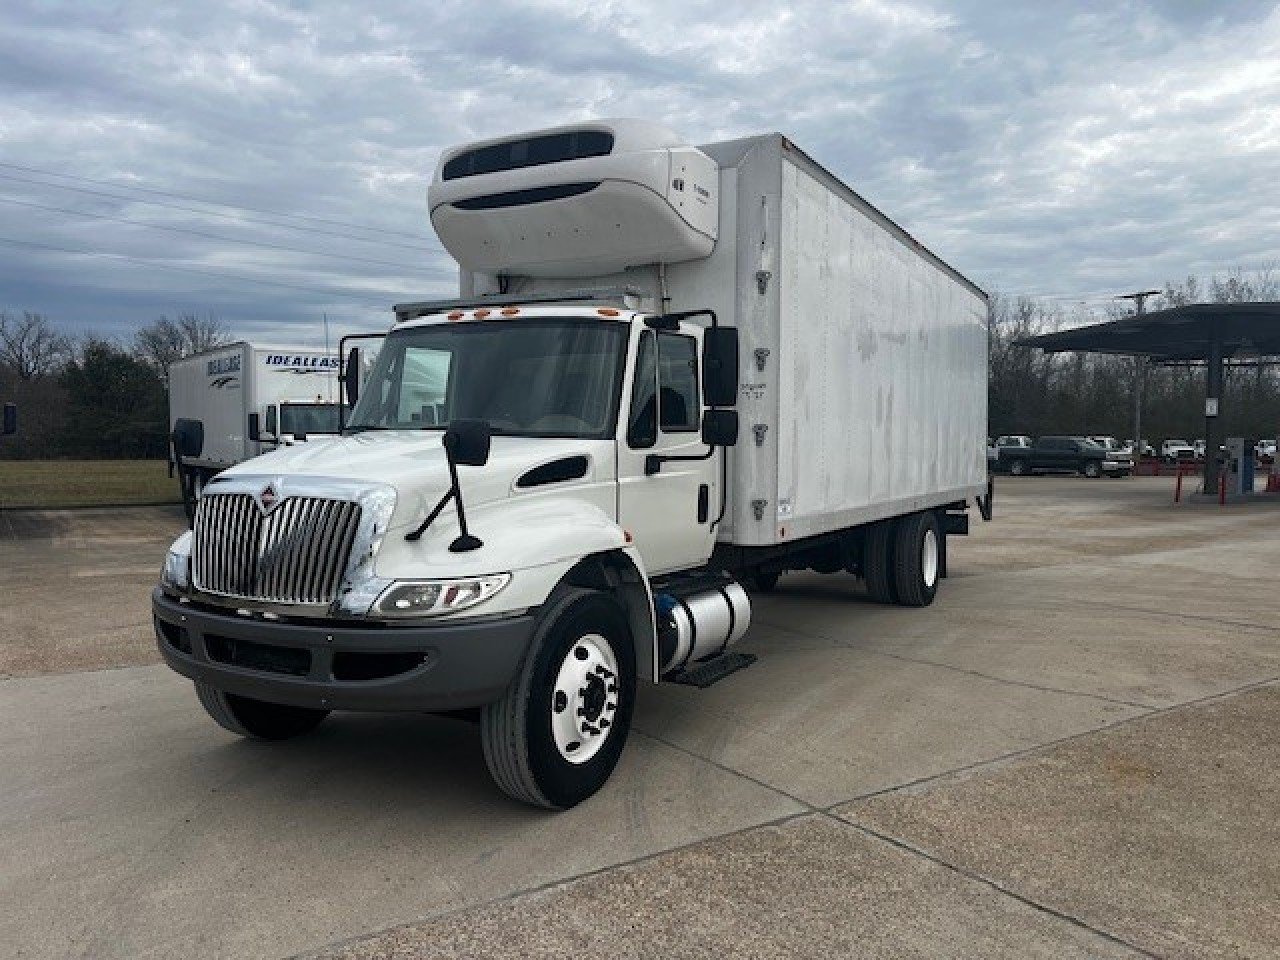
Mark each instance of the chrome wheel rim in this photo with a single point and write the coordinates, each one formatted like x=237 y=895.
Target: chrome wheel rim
x=584 y=703
x=929 y=558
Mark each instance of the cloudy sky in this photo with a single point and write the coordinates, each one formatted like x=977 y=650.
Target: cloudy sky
x=267 y=161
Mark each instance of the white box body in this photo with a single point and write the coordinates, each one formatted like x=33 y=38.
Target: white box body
x=863 y=356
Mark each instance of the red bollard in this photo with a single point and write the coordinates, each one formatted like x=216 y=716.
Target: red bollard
x=1177 y=490
x=1222 y=489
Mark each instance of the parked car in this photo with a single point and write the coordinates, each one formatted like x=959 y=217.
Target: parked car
x=1198 y=447
x=1062 y=455
x=1144 y=449
x=1265 y=449
x=1121 y=457
x=1171 y=451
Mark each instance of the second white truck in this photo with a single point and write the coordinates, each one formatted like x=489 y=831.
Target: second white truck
x=671 y=375
x=236 y=401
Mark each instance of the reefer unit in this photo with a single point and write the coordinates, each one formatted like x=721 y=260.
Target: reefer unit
x=863 y=381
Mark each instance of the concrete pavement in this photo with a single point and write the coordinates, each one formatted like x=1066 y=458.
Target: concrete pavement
x=131 y=826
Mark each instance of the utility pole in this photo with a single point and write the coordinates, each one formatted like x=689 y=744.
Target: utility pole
x=1140 y=372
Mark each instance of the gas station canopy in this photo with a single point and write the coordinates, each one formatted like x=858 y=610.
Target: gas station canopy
x=1179 y=333
x=1211 y=332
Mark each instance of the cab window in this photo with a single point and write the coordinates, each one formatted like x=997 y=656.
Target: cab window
x=642 y=420
x=679 y=409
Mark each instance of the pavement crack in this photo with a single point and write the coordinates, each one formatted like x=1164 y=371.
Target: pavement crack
x=331 y=949
x=972 y=875
x=1029 y=751
x=809 y=808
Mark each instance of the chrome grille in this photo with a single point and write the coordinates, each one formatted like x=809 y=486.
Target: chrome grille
x=297 y=553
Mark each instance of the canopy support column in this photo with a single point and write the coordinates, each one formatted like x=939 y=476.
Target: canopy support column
x=1212 y=411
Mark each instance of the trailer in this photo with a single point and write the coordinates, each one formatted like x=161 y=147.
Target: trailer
x=234 y=402
x=671 y=375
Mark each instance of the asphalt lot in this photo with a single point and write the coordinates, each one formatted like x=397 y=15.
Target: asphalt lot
x=1071 y=754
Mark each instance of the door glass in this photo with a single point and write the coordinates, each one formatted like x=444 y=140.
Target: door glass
x=678 y=404
x=642 y=421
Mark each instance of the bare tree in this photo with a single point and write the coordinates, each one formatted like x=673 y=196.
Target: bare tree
x=161 y=343
x=30 y=347
x=202 y=333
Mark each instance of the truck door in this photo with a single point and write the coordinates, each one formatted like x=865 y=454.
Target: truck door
x=669 y=513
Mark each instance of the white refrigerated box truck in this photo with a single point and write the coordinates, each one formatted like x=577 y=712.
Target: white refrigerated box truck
x=236 y=401
x=670 y=373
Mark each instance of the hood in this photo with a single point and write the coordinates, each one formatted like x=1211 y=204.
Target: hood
x=414 y=464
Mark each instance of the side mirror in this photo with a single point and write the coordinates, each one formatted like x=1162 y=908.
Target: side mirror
x=255 y=428
x=720 y=428
x=467 y=442
x=351 y=376
x=720 y=366
x=10 y=419
x=188 y=437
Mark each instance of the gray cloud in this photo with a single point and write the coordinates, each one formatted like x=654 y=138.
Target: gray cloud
x=1065 y=149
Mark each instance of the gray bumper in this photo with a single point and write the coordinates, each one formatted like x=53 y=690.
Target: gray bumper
x=343 y=667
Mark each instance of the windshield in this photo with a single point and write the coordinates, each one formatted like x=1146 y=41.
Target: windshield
x=301 y=418
x=530 y=378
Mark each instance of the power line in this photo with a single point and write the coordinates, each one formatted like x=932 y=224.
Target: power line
x=216 y=203
x=211 y=236
x=151 y=262
x=224 y=216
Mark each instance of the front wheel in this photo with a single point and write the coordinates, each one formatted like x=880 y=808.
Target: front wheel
x=1092 y=470
x=1018 y=469
x=555 y=736
x=256 y=718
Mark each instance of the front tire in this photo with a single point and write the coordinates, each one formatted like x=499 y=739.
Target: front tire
x=257 y=719
x=1092 y=470
x=917 y=557
x=557 y=733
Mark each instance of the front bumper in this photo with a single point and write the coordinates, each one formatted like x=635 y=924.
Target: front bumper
x=339 y=666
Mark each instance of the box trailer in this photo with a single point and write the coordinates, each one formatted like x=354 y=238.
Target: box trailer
x=233 y=402
x=672 y=374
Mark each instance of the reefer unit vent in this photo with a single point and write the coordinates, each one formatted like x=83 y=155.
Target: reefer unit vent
x=585 y=200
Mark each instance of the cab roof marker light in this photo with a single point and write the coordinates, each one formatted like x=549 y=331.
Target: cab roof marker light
x=607 y=312
x=510 y=311
x=481 y=314
x=457 y=315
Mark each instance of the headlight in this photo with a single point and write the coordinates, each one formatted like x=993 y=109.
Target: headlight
x=176 y=572
x=430 y=598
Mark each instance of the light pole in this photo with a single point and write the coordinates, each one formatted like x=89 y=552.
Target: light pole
x=1140 y=373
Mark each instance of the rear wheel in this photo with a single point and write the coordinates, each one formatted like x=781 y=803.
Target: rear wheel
x=877 y=562
x=555 y=736
x=1092 y=469
x=256 y=718
x=917 y=559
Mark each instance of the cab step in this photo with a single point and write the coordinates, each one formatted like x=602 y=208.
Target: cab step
x=712 y=671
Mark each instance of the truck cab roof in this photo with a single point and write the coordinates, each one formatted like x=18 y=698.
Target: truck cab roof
x=595 y=311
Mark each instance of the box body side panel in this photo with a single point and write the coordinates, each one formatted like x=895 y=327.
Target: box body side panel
x=882 y=370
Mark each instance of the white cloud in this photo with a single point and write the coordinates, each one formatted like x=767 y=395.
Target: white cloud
x=1052 y=147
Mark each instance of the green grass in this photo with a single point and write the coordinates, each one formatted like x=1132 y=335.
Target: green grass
x=85 y=483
